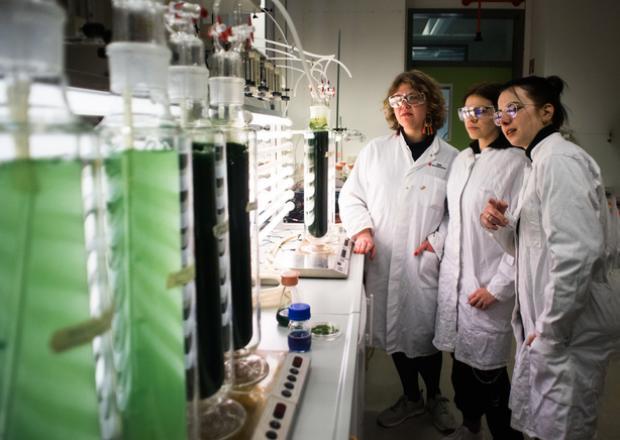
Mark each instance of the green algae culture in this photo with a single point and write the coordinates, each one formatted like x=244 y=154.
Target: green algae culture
x=316 y=191
x=44 y=393
x=144 y=233
x=238 y=172
x=212 y=281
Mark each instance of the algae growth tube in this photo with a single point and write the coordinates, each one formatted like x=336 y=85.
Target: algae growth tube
x=319 y=179
x=226 y=113
x=147 y=176
x=55 y=311
x=219 y=415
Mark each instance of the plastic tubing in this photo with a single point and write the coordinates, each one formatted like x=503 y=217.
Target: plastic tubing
x=275 y=22
x=298 y=44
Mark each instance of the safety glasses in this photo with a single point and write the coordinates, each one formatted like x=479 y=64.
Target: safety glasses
x=511 y=110
x=413 y=99
x=475 y=112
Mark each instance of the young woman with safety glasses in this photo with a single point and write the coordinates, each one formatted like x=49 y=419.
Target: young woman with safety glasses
x=567 y=316
x=476 y=280
x=391 y=204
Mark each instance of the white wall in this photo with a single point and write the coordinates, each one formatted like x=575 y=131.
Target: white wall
x=579 y=44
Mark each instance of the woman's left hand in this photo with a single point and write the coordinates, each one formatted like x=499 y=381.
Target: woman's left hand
x=530 y=339
x=481 y=299
x=425 y=246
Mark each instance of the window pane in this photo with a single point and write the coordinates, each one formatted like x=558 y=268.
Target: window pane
x=450 y=37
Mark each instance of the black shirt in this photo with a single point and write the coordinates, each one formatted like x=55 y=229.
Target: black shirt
x=500 y=142
x=418 y=148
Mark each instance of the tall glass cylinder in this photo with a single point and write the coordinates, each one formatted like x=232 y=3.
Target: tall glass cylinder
x=209 y=311
x=55 y=312
x=144 y=225
x=53 y=290
x=147 y=180
x=220 y=415
x=319 y=179
x=226 y=89
x=226 y=113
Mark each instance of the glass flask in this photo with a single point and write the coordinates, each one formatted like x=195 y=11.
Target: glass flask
x=226 y=88
x=55 y=307
x=147 y=184
x=220 y=416
x=319 y=181
x=289 y=295
x=299 y=333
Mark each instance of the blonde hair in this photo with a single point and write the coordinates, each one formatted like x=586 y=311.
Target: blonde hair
x=422 y=83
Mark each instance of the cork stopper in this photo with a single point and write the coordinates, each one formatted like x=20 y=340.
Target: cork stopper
x=290 y=278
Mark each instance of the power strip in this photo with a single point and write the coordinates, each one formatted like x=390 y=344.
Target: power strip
x=278 y=416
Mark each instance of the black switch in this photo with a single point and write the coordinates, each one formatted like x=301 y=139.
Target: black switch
x=294 y=370
x=271 y=434
x=297 y=361
x=291 y=378
x=286 y=393
x=289 y=385
x=275 y=424
x=279 y=410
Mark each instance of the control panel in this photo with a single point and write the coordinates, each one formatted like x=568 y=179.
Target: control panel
x=278 y=415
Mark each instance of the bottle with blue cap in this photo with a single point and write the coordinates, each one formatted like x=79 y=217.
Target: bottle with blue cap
x=299 y=334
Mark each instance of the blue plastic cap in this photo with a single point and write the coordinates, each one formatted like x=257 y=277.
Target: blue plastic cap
x=299 y=312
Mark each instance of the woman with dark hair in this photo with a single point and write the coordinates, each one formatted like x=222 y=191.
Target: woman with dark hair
x=476 y=279
x=567 y=317
x=394 y=201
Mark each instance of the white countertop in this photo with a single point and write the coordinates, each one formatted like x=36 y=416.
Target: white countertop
x=325 y=410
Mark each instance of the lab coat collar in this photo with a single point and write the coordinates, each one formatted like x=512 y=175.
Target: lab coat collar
x=500 y=142
x=542 y=134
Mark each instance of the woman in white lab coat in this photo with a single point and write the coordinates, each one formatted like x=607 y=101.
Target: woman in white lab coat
x=391 y=204
x=567 y=316
x=476 y=280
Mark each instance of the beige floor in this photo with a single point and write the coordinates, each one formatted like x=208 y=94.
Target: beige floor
x=383 y=388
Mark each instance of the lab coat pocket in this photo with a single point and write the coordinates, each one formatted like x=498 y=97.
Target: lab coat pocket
x=431 y=191
x=552 y=373
x=531 y=229
x=428 y=269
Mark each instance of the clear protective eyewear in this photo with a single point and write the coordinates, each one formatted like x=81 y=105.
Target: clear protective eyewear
x=475 y=112
x=511 y=110
x=413 y=99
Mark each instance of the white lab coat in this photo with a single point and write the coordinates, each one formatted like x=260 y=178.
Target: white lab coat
x=403 y=202
x=613 y=239
x=563 y=294
x=472 y=259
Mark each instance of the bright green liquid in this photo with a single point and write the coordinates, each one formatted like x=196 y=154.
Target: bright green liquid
x=43 y=288
x=145 y=231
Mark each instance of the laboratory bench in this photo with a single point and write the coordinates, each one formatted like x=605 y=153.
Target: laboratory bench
x=332 y=403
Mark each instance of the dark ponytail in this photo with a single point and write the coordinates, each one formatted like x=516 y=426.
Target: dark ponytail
x=543 y=91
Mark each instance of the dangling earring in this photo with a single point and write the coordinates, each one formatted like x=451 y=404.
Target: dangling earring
x=428 y=127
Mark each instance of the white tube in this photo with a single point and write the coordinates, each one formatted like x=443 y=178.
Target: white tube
x=298 y=44
x=275 y=22
x=294 y=69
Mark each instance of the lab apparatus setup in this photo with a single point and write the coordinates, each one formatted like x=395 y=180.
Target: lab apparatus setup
x=150 y=286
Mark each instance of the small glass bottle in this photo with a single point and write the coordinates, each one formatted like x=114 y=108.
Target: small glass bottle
x=289 y=295
x=299 y=334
